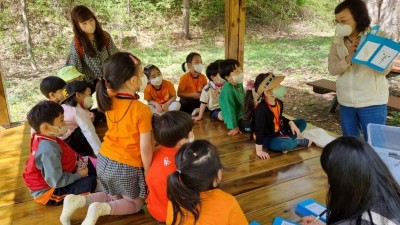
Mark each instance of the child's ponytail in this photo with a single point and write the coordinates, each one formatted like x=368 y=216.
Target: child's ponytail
x=103 y=98
x=180 y=195
x=198 y=164
x=248 y=102
x=184 y=67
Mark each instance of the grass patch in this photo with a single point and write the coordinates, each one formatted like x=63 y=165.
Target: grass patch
x=305 y=55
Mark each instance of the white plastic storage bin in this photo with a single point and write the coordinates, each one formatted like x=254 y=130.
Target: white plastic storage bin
x=386 y=142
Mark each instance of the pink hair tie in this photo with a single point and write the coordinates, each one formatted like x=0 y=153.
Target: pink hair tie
x=134 y=59
x=250 y=85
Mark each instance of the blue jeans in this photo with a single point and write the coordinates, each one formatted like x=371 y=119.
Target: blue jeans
x=279 y=143
x=354 y=119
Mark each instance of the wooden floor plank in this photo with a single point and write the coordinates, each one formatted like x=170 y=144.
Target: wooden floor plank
x=264 y=188
x=285 y=210
x=272 y=176
x=276 y=194
x=261 y=166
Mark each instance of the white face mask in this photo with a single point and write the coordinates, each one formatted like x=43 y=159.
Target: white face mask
x=238 y=78
x=198 y=67
x=343 y=30
x=88 y=102
x=156 y=81
x=61 y=131
x=144 y=83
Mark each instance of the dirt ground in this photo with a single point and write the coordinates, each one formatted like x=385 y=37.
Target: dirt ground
x=301 y=102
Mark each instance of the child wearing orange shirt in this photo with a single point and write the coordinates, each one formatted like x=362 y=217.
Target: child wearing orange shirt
x=171 y=131
x=192 y=189
x=191 y=84
x=126 y=153
x=159 y=93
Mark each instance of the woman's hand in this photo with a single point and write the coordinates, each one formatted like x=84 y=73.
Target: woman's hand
x=352 y=50
x=309 y=220
x=294 y=128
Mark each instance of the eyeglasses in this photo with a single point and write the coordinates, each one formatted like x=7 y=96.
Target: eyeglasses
x=340 y=21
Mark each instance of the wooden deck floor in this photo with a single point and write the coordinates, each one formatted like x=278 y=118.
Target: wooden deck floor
x=264 y=189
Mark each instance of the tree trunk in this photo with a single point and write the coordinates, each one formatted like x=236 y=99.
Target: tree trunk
x=386 y=13
x=28 y=41
x=185 y=28
x=129 y=7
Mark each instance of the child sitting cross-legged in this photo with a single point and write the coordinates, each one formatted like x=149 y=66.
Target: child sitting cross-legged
x=159 y=93
x=51 y=171
x=171 y=131
x=210 y=93
x=193 y=189
x=264 y=108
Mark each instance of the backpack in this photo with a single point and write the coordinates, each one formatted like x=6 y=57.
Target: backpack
x=79 y=48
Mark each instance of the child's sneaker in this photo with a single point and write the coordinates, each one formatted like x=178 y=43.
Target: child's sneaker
x=195 y=111
x=303 y=142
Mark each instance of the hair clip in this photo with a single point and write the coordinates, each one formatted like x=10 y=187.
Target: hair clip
x=179 y=171
x=249 y=85
x=134 y=59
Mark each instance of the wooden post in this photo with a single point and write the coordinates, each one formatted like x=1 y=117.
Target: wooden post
x=4 y=116
x=235 y=11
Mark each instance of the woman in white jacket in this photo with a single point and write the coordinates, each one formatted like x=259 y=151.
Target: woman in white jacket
x=362 y=92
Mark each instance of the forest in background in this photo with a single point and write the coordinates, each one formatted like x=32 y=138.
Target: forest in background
x=287 y=36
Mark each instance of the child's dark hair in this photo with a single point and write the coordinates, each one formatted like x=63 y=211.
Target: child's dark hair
x=43 y=112
x=249 y=99
x=171 y=127
x=51 y=84
x=197 y=164
x=117 y=69
x=213 y=69
x=81 y=14
x=359 y=12
x=189 y=59
x=358 y=179
x=227 y=66
x=74 y=87
x=148 y=68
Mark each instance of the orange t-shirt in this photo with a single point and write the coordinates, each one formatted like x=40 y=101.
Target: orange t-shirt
x=217 y=207
x=189 y=84
x=276 y=110
x=126 y=120
x=161 y=95
x=163 y=164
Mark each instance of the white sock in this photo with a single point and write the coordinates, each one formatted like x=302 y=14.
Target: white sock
x=71 y=203
x=96 y=209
